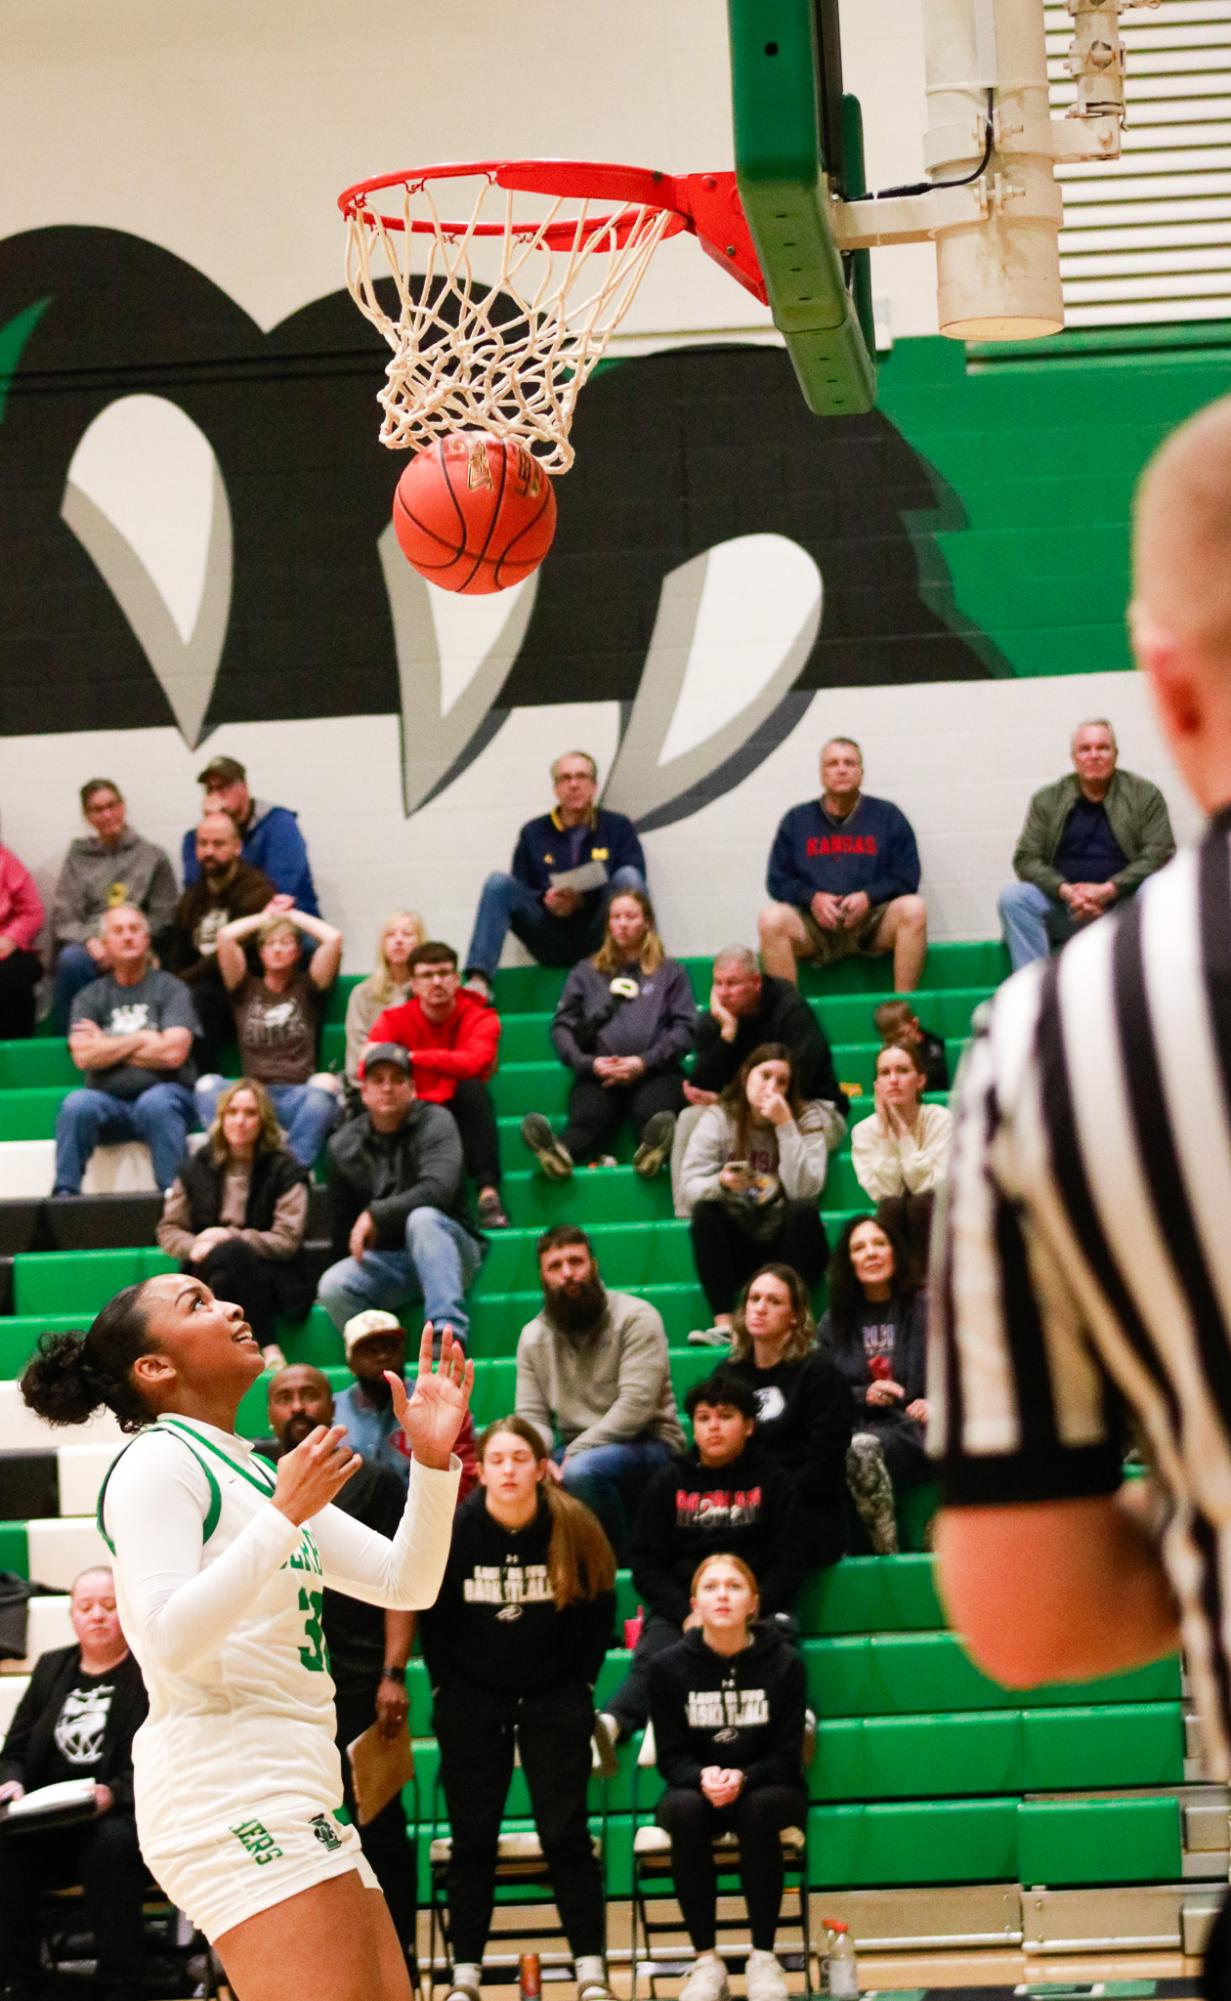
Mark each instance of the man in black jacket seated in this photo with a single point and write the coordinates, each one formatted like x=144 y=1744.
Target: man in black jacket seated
x=722 y=1497
x=401 y=1227
x=77 y=1720
x=369 y=1647
x=747 y=1008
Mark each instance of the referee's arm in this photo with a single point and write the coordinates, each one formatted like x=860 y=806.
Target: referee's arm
x=1047 y=1567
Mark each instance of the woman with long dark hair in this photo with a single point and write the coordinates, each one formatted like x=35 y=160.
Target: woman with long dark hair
x=237 y=1213
x=513 y=1645
x=751 y=1178
x=220 y=1561
x=876 y=1330
x=623 y=1024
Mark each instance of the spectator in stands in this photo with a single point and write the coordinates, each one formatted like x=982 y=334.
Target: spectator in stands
x=896 y=1021
x=277 y=1020
x=723 y=1497
x=237 y=1212
x=875 y=1328
x=271 y=838
x=748 y=1008
x=592 y=1373
x=514 y=1643
x=369 y=1646
x=376 y=1342
x=453 y=1039
x=108 y=866
x=388 y=986
x=751 y=1180
x=625 y=1020
x=558 y=920
x=76 y=1720
x=901 y=1153
x=401 y=1229
x=727 y=1705
x=803 y=1405
x=226 y=888
x=21 y=969
x=131 y=1033
x=1089 y=841
x=844 y=875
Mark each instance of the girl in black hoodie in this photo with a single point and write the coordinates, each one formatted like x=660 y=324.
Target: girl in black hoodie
x=727 y=1705
x=513 y=1646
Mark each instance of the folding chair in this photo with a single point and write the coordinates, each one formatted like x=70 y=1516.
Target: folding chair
x=520 y=1865
x=652 y=1885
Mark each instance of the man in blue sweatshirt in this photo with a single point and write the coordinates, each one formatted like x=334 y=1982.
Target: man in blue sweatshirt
x=271 y=838
x=844 y=875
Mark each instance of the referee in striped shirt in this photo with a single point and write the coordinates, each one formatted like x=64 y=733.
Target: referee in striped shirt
x=1082 y=1283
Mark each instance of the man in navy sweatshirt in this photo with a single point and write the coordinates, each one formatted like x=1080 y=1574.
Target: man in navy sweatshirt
x=844 y=875
x=556 y=920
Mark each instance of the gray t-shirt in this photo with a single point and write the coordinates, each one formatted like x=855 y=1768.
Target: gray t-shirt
x=157 y=1001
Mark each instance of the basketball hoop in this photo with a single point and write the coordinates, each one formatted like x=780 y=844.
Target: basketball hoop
x=497 y=322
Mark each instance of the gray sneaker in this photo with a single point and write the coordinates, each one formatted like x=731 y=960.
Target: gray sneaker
x=710 y=1337
x=655 y=1144
x=555 y=1160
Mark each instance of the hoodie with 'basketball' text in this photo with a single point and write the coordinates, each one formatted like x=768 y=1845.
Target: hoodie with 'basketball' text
x=744 y=1712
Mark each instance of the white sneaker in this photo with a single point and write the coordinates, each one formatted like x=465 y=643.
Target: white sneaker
x=710 y=1337
x=765 y=1980
x=707 y=1981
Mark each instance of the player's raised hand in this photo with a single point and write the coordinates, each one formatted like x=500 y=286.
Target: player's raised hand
x=316 y=1470
x=432 y=1417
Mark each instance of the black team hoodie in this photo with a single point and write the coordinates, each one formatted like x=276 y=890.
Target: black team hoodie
x=690 y=1511
x=741 y=1711
x=804 y=1426
x=495 y=1622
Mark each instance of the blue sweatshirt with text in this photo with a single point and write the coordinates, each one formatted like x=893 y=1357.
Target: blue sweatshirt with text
x=873 y=849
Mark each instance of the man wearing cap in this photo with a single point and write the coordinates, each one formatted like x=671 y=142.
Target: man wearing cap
x=271 y=838
x=376 y=1341
x=401 y=1227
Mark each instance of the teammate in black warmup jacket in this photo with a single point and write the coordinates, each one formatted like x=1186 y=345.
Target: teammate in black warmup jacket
x=727 y=1705
x=725 y=1495
x=513 y=1645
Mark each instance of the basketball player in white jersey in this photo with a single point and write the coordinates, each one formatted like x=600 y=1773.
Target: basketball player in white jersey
x=220 y=1561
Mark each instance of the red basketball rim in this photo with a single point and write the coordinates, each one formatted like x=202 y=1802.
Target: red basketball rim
x=633 y=189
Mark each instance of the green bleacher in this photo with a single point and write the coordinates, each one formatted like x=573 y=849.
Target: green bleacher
x=927 y=1772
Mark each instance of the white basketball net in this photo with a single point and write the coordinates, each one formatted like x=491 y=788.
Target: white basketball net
x=506 y=352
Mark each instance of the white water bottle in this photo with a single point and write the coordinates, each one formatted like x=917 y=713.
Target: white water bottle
x=841 y=1965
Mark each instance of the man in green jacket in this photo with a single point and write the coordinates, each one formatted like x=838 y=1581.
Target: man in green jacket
x=1089 y=841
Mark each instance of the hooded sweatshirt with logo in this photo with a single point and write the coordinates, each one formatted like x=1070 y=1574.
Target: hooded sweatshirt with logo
x=742 y=1711
x=495 y=1622
x=746 y=1508
x=95 y=879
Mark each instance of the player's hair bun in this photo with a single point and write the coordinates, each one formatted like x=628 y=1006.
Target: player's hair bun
x=71 y=1375
x=61 y=1383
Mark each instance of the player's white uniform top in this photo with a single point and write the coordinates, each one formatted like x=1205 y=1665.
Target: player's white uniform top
x=236 y=1774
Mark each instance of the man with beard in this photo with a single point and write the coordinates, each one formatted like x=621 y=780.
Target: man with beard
x=228 y=887
x=376 y=1341
x=593 y=1378
x=368 y=1646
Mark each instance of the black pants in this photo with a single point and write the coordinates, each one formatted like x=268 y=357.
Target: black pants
x=20 y=973
x=758 y=1819
x=235 y=1271
x=727 y=1255
x=475 y=1731
x=103 y=1856
x=909 y=1217
x=217 y=1020
x=474 y=1115
x=595 y=1112
x=383 y=1840
x=630 y=1705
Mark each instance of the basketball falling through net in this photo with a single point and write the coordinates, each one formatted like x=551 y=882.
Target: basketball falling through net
x=496 y=322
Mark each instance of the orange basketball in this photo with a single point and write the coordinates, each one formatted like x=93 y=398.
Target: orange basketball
x=474 y=513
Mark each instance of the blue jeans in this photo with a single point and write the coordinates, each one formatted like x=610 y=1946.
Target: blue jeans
x=555 y=941
x=74 y=970
x=1033 y=922
x=440 y=1260
x=163 y=1117
x=611 y=1479
x=306 y=1113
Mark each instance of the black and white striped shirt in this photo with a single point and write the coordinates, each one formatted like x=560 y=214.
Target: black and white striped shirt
x=1084 y=1256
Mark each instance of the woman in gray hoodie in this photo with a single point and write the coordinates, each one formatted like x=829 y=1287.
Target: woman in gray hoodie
x=624 y=1022
x=108 y=866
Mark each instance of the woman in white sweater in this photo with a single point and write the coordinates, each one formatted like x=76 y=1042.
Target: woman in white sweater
x=901 y=1154
x=752 y=1176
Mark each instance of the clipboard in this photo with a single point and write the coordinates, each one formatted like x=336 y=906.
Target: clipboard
x=380 y=1767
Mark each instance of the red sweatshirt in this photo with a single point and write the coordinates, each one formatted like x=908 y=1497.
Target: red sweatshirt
x=463 y=1045
x=21 y=906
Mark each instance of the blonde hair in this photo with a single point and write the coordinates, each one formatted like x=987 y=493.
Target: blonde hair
x=736 y=1563
x=384 y=985
x=802 y=1338
x=272 y=926
x=580 y=1562
x=609 y=958
x=268 y=1139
